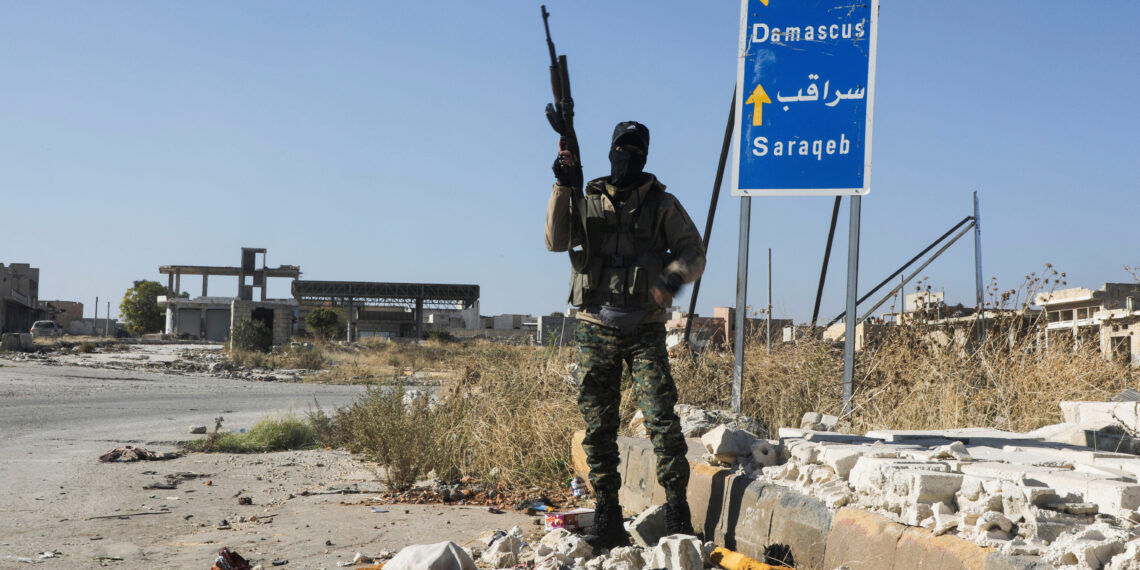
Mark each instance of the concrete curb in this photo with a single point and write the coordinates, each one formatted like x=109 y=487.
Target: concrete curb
x=746 y=515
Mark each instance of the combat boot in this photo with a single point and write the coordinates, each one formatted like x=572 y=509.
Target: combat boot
x=609 y=530
x=678 y=519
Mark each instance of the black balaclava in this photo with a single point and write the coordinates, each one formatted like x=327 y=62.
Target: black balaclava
x=626 y=166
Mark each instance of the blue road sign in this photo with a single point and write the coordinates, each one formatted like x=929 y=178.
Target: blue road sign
x=805 y=92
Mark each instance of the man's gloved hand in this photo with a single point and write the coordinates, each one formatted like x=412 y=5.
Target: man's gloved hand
x=565 y=171
x=666 y=287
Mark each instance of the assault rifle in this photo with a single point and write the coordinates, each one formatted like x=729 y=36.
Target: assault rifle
x=560 y=114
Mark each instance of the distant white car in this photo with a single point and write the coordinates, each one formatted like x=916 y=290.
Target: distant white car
x=46 y=329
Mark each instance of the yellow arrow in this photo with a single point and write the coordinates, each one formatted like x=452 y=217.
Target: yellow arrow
x=758 y=98
x=764 y=2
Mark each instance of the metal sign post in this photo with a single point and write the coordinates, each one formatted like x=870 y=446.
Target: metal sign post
x=805 y=94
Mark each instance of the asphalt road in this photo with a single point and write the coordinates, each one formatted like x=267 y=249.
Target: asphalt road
x=55 y=421
x=55 y=497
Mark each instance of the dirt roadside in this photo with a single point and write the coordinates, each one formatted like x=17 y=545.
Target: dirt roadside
x=56 y=419
x=113 y=516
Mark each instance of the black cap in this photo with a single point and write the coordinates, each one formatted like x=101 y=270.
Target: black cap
x=631 y=132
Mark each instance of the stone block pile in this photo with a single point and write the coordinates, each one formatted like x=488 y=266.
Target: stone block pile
x=1047 y=494
x=557 y=550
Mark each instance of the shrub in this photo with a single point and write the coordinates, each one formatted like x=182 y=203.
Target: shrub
x=267 y=435
x=324 y=322
x=86 y=347
x=401 y=437
x=300 y=356
x=251 y=335
x=440 y=335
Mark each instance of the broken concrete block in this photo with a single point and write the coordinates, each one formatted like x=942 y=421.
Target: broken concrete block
x=828 y=423
x=803 y=451
x=649 y=526
x=811 y=420
x=439 y=556
x=835 y=493
x=944 y=519
x=993 y=520
x=1090 y=547
x=1129 y=559
x=502 y=553
x=723 y=440
x=1114 y=497
x=840 y=458
x=624 y=558
x=677 y=552
x=1123 y=413
x=550 y=540
x=574 y=547
x=914 y=514
x=551 y=561
x=764 y=454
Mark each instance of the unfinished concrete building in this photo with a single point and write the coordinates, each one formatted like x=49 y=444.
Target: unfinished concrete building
x=211 y=318
x=1109 y=316
x=19 y=297
x=390 y=309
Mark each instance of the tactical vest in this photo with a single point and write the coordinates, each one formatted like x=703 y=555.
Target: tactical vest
x=620 y=278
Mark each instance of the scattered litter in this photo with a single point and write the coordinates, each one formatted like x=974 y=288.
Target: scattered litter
x=129 y=453
x=577 y=519
x=577 y=487
x=245 y=500
x=49 y=554
x=726 y=558
x=18 y=559
x=379 y=510
x=229 y=560
x=102 y=560
x=279 y=562
x=358 y=559
x=197 y=429
x=541 y=505
x=495 y=511
x=224 y=525
x=128 y=515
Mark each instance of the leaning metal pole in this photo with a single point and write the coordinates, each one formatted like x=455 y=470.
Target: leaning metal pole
x=826 y=258
x=741 y=302
x=712 y=209
x=852 y=286
x=981 y=310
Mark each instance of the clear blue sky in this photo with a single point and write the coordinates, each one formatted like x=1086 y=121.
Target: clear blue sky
x=405 y=141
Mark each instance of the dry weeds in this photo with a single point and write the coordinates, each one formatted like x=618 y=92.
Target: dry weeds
x=506 y=414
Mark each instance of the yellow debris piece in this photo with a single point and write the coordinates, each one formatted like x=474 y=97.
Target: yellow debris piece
x=730 y=560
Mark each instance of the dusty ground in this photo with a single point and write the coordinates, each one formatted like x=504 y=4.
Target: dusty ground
x=57 y=418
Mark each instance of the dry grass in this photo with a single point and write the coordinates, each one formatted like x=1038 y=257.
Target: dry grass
x=508 y=418
x=506 y=414
x=293 y=357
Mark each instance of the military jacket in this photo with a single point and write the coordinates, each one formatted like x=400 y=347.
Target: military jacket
x=634 y=241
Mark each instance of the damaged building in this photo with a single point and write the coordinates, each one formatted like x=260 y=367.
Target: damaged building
x=211 y=318
x=19 y=297
x=1109 y=316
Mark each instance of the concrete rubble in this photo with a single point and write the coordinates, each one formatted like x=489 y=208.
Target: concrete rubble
x=1046 y=494
x=696 y=422
x=561 y=549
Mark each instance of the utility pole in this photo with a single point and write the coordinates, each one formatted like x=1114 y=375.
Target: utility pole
x=95 y=319
x=769 y=326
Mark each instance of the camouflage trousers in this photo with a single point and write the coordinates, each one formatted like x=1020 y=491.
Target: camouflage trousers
x=602 y=350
